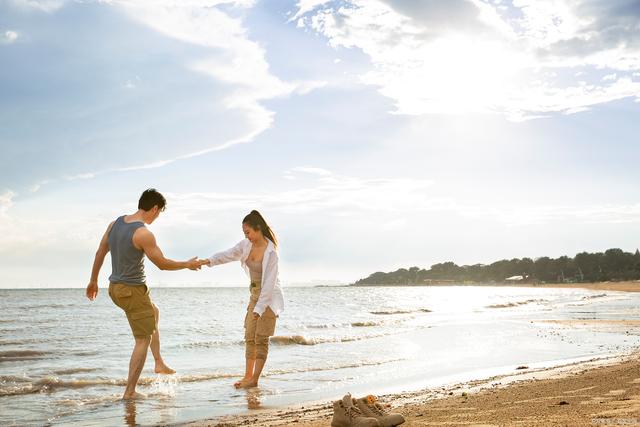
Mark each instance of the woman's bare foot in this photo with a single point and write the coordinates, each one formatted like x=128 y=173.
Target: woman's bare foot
x=239 y=384
x=161 y=368
x=133 y=396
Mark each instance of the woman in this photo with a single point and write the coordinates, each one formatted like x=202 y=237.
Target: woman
x=257 y=255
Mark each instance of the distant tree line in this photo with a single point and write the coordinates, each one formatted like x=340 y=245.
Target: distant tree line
x=612 y=265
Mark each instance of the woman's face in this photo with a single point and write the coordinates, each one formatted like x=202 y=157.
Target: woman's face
x=250 y=233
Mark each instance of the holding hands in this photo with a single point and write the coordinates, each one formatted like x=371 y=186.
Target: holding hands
x=195 y=263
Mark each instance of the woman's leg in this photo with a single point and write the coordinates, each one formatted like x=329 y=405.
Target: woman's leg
x=261 y=352
x=248 y=373
x=250 y=350
x=257 y=371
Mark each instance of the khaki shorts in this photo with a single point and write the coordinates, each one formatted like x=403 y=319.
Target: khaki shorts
x=137 y=305
x=264 y=325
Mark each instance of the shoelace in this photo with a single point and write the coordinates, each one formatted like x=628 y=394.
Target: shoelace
x=353 y=412
x=377 y=409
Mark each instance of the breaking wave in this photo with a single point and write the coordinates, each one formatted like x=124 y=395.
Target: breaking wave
x=517 y=303
x=421 y=310
x=15 y=355
x=302 y=340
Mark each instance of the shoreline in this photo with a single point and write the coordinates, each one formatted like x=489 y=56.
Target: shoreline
x=624 y=286
x=599 y=391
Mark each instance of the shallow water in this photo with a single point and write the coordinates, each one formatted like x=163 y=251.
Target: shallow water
x=63 y=360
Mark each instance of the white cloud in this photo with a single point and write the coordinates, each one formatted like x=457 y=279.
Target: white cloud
x=530 y=215
x=158 y=164
x=6 y=201
x=610 y=77
x=242 y=62
x=9 y=37
x=305 y=6
x=320 y=191
x=233 y=59
x=481 y=58
x=132 y=83
x=311 y=170
x=387 y=201
x=39 y=5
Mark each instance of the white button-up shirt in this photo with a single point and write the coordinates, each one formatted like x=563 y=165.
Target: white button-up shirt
x=271 y=293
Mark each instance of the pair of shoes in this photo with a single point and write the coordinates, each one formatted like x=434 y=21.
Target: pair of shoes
x=364 y=412
x=371 y=408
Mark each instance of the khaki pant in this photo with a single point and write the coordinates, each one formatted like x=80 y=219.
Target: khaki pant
x=137 y=305
x=257 y=331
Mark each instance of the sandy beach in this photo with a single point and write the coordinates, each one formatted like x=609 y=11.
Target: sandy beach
x=628 y=286
x=603 y=391
x=597 y=392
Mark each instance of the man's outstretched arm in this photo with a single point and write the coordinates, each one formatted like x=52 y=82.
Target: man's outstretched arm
x=103 y=250
x=146 y=241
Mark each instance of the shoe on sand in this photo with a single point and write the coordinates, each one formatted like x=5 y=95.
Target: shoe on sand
x=345 y=414
x=371 y=408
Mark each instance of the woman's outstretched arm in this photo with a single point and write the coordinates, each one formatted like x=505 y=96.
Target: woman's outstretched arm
x=230 y=255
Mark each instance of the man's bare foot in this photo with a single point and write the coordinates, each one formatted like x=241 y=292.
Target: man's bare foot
x=133 y=396
x=248 y=384
x=238 y=384
x=161 y=368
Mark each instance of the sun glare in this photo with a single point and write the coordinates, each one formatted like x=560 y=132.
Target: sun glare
x=454 y=75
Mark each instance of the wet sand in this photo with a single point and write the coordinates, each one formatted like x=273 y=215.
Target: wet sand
x=598 y=392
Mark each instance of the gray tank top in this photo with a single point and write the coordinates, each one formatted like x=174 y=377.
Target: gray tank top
x=126 y=261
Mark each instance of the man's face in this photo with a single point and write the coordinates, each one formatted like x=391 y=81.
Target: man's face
x=154 y=214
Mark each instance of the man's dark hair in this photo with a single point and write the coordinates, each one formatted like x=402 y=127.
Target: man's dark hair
x=151 y=198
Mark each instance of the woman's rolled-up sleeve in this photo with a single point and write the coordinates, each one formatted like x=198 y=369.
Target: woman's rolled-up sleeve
x=230 y=255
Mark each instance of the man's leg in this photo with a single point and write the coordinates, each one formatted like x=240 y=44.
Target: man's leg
x=161 y=367
x=136 y=364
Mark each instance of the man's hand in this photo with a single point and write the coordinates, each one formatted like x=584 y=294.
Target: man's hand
x=206 y=262
x=194 y=263
x=92 y=290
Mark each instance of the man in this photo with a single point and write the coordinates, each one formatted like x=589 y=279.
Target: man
x=129 y=241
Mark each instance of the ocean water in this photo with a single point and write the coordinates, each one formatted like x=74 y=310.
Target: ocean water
x=64 y=360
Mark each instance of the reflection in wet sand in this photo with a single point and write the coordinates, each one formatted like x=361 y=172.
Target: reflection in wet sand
x=130 y=412
x=253 y=398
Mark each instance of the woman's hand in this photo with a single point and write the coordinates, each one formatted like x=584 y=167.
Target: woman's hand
x=256 y=316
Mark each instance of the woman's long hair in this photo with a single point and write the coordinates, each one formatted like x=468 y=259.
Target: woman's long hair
x=257 y=222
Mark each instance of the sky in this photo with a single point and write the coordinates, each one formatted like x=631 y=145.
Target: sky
x=371 y=134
